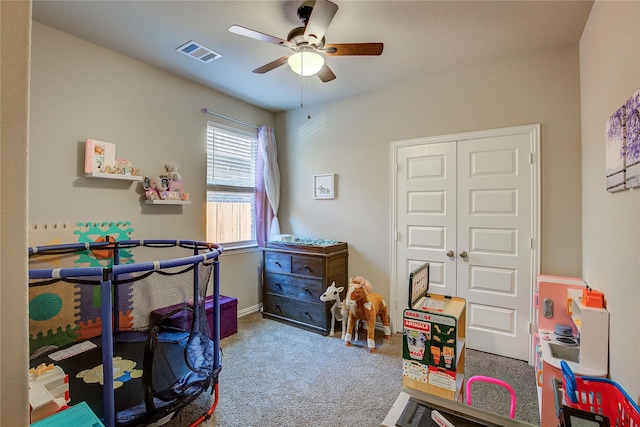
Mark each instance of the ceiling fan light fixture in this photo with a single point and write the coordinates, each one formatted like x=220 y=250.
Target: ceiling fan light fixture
x=306 y=63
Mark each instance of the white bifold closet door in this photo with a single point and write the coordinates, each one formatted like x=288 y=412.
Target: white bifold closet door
x=466 y=206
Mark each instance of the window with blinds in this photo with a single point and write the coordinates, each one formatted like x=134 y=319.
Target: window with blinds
x=231 y=186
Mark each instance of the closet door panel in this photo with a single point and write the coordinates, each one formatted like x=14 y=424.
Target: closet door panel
x=426 y=217
x=494 y=217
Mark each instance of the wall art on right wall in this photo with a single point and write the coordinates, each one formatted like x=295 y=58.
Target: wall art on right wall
x=632 y=141
x=623 y=146
x=615 y=151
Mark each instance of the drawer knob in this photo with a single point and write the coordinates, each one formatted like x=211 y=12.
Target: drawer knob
x=306 y=267
x=308 y=291
x=278 y=307
x=279 y=285
x=278 y=264
x=306 y=313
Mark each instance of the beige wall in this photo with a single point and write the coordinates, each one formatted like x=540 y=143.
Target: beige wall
x=79 y=91
x=16 y=40
x=352 y=139
x=610 y=74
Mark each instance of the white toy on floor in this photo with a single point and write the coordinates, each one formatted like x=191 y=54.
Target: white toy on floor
x=48 y=391
x=338 y=309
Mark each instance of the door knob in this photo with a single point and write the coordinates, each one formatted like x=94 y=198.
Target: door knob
x=450 y=254
x=463 y=254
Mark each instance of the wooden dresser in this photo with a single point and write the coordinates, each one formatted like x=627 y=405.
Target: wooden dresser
x=294 y=277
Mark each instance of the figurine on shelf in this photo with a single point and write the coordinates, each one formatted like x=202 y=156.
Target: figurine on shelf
x=172 y=171
x=124 y=167
x=155 y=186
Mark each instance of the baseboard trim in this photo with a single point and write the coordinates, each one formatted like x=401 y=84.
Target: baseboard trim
x=249 y=310
x=258 y=307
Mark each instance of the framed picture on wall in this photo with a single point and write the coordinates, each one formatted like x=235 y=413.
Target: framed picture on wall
x=623 y=146
x=615 y=150
x=323 y=186
x=632 y=141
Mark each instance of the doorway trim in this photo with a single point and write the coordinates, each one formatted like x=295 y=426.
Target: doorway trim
x=534 y=135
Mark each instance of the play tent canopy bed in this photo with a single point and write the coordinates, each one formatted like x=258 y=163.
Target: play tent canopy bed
x=146 y=363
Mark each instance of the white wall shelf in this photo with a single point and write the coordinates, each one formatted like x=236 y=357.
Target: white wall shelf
x=167 y=202
x=113 y=176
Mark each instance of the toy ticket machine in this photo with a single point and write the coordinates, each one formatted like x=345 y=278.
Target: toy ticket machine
x=434 y=344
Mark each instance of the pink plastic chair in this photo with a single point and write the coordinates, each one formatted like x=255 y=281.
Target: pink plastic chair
x=512 y=409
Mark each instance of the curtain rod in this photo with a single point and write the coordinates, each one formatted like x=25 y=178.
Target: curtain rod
x=213 y=113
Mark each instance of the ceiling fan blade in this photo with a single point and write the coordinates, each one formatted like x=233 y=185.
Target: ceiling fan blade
x=325 y=74
x=321 y=16
x=353 y=49
x=248 y=32
x=271 y=65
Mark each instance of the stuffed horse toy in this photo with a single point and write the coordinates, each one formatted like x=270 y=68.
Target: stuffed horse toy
x=355 y=282
x=361 y=282
x=338 y=309
x=366 y=306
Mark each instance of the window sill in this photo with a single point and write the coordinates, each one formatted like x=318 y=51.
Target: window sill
x=239 y=249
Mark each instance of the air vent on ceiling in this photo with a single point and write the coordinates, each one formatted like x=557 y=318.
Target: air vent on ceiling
x=198 y=51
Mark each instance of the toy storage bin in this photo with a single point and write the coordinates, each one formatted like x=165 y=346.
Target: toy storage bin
x=600 y=396
x=182 y=319
x=79 y=415
x=228 y=316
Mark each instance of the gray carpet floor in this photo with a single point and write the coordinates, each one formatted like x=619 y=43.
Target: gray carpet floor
x=274 y=374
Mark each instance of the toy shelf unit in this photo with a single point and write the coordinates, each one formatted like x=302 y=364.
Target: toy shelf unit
x=433 y=348
x=296 y=275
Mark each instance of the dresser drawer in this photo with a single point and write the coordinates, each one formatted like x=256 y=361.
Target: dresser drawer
x=307 y=265
x=298 y=310
x=277 y=263
x=290 y=286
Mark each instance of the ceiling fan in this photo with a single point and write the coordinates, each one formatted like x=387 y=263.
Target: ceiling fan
x=308 y=42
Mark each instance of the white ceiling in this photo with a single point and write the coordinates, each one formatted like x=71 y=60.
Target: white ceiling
x=421 y=39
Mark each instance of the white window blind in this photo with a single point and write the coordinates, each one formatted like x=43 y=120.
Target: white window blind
x=231 y=178
x=231 y=158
